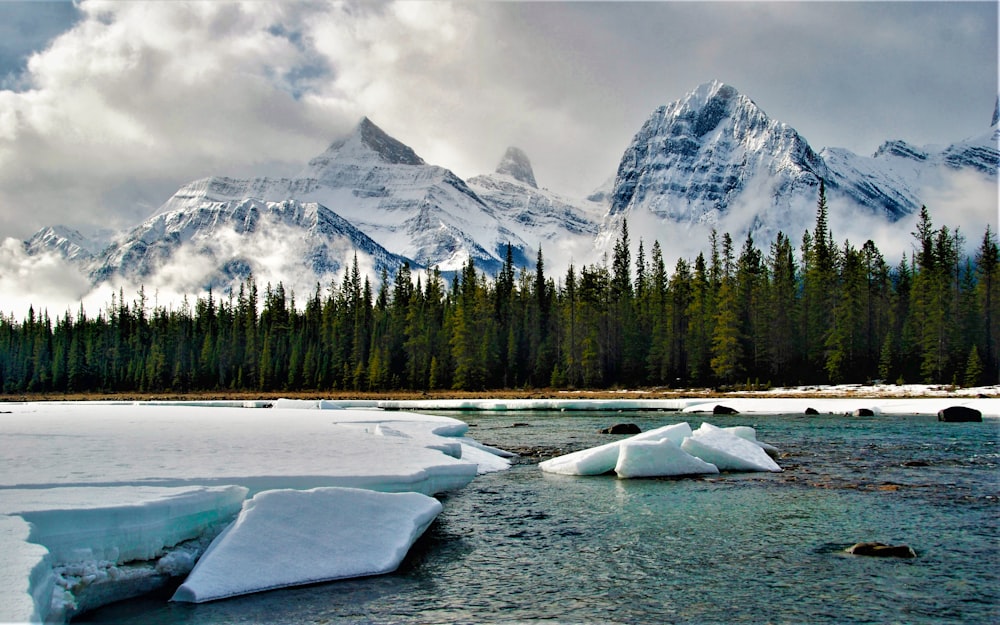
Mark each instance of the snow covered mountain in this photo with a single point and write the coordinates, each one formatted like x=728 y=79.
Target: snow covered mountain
x=695 y=159
x=217 y=243
x=535 y=215
x=715 y=158
x=367 y=193
x=66 y=242
x=711 y=159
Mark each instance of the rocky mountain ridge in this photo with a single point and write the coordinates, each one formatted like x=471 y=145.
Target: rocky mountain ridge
x=712 y=158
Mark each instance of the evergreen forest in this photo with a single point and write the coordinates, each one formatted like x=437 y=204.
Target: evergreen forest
x=819 y=312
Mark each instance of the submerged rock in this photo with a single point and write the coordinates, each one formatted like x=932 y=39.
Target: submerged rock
x=621 y=428
x=882 y=550
x=960 y=414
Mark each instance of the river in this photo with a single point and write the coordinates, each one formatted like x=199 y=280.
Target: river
x=521 y=546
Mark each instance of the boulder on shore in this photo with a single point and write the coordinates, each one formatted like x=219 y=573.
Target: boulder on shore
x=882 y=550
x=960 y=414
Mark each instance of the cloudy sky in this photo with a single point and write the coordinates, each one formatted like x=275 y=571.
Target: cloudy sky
x=107 y=107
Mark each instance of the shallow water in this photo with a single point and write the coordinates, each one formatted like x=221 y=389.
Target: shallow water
x=524 y=546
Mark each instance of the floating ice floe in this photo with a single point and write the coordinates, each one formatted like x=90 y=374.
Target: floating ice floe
x=602 y=459
x=288 y=537
x=671 y=450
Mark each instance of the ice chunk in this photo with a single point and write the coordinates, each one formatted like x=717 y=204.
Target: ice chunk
x=288 y=537
x=592 y=461
x=602 y=459
x=742 y=431
x=644 y=458
x=728 y=452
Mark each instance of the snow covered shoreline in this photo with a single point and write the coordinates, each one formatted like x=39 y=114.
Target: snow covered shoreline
x=103 y=500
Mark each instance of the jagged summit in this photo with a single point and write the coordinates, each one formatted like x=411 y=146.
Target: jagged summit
x=365 y=143
x=693 y=157
x=515 y=164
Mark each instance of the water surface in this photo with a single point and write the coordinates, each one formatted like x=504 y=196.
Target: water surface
x=524 y=546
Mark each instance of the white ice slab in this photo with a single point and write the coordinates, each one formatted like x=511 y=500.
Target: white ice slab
x=286 y=537
x=26 y=577
x=119 y=524
x=602 y=459
x=729 y=453
x=658 y=459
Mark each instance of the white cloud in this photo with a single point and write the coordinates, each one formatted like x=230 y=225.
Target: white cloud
x=139 y=98
x=43 y=281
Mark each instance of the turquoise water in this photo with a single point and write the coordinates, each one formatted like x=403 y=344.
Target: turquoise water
x=523 y=546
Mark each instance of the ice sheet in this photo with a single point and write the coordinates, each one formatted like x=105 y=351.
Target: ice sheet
x=105 y=483
x=658 y=459
x=49 y=445
x=119 y=524
x=288 y=537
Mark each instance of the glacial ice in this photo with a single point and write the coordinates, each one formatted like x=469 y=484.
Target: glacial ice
x=304 y=537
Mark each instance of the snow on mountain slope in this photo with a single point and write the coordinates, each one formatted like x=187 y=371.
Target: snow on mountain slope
x=418 y=211
x=898 y=176
x=713 y=159
x=563 y=228
x=66 y=242
x=218 y=243
x=693 y=159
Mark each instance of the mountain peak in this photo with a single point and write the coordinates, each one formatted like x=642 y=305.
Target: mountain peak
x=515 y=164
x=694 y=156
x=366 y=141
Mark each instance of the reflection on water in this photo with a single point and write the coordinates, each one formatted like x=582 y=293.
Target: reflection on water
x=523 y=546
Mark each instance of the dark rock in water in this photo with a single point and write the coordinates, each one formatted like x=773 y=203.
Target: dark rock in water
x=863 y=412
x=957 y=414
x=882 y=550
x=621 y=428
x=720 y=409
x=812 y=411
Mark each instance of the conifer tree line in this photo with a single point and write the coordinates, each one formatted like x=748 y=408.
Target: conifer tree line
x=818 y=313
